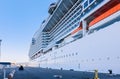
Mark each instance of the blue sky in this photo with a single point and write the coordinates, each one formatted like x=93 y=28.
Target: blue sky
x=19 y=20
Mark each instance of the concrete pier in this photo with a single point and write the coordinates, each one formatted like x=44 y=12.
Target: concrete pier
x=45 y=73
x=41 y=73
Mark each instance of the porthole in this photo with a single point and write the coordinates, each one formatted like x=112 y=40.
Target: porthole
x=99 y=58
x=69 y=54
x=92 y=59
x=72 y=54
x=82 y=60
x=76 y=53
x=108 y=58
x=118 y=57
x=66 y=55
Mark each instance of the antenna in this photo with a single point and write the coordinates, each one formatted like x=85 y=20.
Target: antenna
x=0 y=49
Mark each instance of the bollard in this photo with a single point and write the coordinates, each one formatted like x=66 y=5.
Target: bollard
x=4 y=73
x=96 y=74
x=10 y=76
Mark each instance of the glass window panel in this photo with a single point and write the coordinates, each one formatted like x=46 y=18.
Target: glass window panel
x=90 y=1
x=85 y=4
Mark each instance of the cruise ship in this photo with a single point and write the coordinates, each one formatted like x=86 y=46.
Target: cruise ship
x=82 y=35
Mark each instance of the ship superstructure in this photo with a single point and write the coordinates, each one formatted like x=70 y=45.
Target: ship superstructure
x=80 y=35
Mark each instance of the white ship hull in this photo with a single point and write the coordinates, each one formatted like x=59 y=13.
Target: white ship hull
x=93 y=44
x=99 y=50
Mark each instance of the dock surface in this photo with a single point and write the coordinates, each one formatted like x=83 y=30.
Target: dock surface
x=41 y=73
x=45 y=73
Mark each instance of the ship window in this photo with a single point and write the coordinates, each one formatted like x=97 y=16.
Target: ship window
x=85 y=4
x=69 y=54
x=78 y=18
x=118 y=57
x=99 y=58
x=72 y=54
x=75 y=11
x=108 y=58
x=75 y=15
x=76 y=53
x=78 y=8
x=90 y=1
x=66 y=55
x=92 y=59
x=78 y=13
x=87 y=60
x=33 y=41
x=79 y=66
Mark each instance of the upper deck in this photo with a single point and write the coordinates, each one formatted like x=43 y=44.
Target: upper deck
x=62 y=7
x=70 y=20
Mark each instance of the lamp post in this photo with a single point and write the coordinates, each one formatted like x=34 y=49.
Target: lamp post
x=0 y=49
